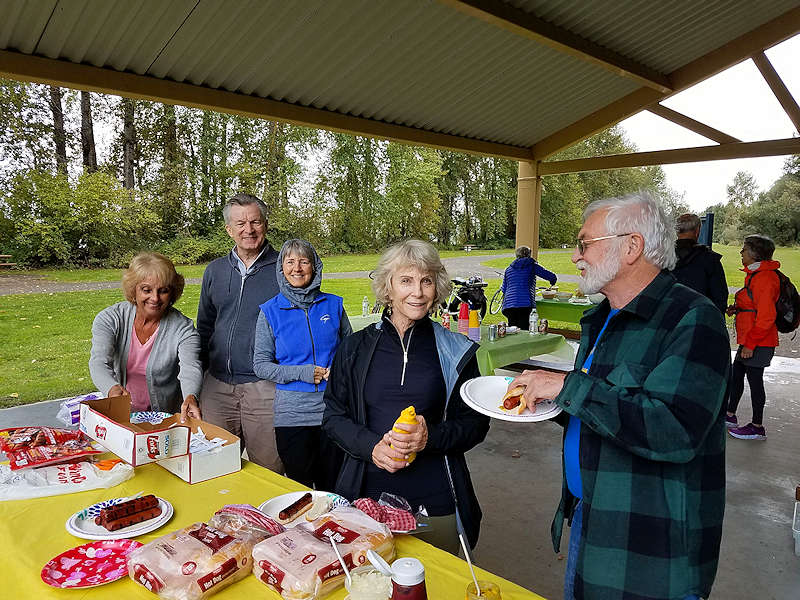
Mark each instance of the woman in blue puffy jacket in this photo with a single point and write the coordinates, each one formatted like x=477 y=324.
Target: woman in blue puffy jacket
x=297 y=334
x=519 y=287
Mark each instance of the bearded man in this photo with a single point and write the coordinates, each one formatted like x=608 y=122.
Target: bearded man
x=644 y=437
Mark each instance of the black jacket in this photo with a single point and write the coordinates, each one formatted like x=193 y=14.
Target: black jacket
x=700 y=268
x=228 y=312
x=460 y=430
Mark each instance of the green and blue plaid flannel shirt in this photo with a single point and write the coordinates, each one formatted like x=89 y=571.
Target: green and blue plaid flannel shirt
x=652 y=446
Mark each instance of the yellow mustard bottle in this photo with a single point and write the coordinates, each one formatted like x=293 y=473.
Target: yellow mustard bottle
x=408 y=416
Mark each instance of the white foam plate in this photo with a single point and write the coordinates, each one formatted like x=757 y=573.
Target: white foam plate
x=273 y=506
x=82 y=524
x=485 y=394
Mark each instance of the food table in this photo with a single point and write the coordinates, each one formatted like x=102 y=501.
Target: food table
x=561 y=310
x=32 y=532
x=512 y=348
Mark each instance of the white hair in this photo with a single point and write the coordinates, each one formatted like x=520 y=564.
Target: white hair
x=410 y=253
x=641 y=213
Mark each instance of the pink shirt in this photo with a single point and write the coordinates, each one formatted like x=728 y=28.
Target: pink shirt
x=136 y=382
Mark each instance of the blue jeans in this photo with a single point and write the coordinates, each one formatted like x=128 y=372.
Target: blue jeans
x=572 y=555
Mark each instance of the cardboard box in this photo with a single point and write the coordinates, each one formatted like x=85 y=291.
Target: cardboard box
x=107 y=420
x=195 y=468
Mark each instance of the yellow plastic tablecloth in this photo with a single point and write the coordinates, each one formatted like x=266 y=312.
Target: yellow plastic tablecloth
x=33 y=531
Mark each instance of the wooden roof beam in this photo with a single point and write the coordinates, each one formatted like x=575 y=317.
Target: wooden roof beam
x=524 y=24
x=670 y=157
x=689 y=123
x=25 y=67
x=759 y=39
x=778 y=88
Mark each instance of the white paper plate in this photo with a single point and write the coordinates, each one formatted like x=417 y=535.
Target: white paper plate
x=485 y=394
x=82 y=524
x=275 y=505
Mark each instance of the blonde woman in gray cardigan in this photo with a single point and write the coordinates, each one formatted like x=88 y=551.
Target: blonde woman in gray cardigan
x=146 y=348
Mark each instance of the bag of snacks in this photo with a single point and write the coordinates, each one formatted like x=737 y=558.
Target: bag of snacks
x=28 y=447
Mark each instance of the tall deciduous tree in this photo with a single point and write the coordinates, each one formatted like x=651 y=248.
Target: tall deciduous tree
x=87 y=134
x=128 y=143
x=59 y=131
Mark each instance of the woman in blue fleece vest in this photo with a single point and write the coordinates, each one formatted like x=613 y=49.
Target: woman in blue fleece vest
x=297 y=334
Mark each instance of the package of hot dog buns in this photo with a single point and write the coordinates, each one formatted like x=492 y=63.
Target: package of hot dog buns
x=300 y=563
x=199 y=560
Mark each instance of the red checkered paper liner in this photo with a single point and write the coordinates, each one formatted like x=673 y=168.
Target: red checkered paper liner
x=398 y=520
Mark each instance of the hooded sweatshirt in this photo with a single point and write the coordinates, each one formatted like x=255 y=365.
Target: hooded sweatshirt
x=519 y=282
x=296 y=330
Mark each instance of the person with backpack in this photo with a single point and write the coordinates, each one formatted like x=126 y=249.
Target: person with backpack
x=756 y=333
x=698 y=266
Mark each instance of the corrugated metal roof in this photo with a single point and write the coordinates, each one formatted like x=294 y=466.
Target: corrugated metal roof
x=421 y=64
x=663 y=34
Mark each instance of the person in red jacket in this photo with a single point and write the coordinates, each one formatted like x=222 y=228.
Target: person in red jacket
x=756 y=333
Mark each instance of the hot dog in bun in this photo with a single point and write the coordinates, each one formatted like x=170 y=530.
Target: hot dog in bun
x=513 y=402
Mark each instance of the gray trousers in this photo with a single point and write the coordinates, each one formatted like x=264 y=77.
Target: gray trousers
x=246 y=410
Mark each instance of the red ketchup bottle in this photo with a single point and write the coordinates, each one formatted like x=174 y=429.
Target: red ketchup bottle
x=408 y=580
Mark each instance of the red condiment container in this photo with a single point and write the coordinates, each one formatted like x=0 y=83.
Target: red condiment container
x=408 y=580
x=463 y=318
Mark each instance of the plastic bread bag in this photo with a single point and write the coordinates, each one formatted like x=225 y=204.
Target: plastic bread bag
x=192 y=563
x=69 y=412
x=245 y=520
x=62 y=479
x=300 y=563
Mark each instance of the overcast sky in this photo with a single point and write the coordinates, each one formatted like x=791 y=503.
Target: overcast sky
x=737 y=102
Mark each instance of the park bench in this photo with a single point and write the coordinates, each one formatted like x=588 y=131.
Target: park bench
x=4 y=261
x=468 y=247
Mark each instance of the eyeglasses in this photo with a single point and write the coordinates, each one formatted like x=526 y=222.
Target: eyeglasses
x=581 y=244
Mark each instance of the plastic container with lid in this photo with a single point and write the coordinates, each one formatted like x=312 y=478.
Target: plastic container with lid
x=367 y=583
x=408 y=580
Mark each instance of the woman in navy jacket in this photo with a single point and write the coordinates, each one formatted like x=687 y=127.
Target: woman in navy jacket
x=404 y=360
x=297 y=334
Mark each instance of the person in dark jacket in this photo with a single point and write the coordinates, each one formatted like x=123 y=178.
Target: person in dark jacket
x=233 y=396
x=643 y=478
x=699 y=267
x=406 y=359
x=519 y=287
x=297 y=335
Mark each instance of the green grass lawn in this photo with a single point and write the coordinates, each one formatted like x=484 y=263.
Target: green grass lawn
x=45 y=339
x=340 y=263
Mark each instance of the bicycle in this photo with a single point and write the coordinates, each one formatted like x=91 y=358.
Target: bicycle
x=470 y=291
x=496 y=303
